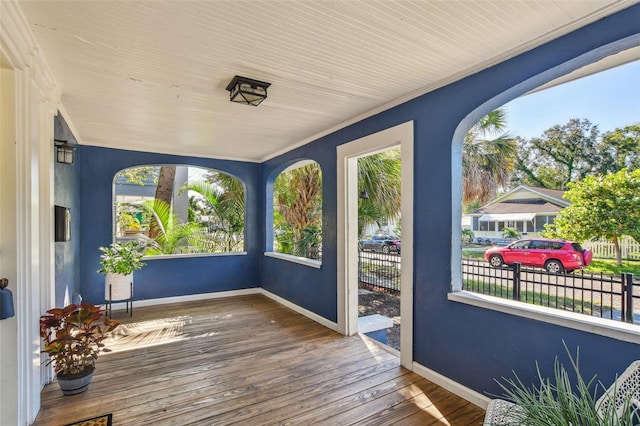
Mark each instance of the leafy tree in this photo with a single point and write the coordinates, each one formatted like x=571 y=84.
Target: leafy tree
x=139 y=175
x=561 y=155
x=471 y=206
x=467 y=236
x=620 y=149
x=531 y=171
x=488 y=158
x=601 y=206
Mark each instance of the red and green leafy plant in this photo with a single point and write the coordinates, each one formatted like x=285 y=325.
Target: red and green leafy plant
x=73 y=337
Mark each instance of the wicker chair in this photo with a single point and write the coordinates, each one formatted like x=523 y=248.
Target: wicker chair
x=501 y=412
x=624 y=391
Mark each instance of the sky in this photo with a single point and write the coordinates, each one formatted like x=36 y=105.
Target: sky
x=609 y=99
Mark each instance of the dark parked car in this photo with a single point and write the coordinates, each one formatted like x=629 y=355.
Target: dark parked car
x=553 y=255
x=381 y=243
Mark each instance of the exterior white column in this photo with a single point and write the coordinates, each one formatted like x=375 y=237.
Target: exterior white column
x=35 y=99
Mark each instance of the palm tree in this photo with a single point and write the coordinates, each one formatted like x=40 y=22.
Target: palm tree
x=170 y=235
x=511 y=234
x=223 y=196
x=487 y=164
x=164 y=190
x=379 y=176
x=298 y=204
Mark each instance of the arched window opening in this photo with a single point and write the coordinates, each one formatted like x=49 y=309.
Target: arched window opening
x=297 y=211
x=178 y=209
x=519 y=161
x=543 y=172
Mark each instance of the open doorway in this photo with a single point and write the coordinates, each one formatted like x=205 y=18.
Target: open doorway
x=348 y=193
x=380 y=246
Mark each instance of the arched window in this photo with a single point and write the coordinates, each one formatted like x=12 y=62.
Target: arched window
x=297 y=211
x=178 y=209
x=551 y=153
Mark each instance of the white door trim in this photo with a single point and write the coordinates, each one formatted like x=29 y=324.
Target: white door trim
x=36 y=101
x=347 y=190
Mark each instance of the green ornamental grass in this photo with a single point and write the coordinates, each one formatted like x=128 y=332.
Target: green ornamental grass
x=561 y=402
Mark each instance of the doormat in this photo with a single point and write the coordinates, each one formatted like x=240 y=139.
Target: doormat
x=104 y=420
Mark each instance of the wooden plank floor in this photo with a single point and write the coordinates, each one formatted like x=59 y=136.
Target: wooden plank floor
x=249 y=361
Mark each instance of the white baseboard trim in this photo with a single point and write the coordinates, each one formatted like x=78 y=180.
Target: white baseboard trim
x=121 y=306
x=462 y=391
x=302 y=311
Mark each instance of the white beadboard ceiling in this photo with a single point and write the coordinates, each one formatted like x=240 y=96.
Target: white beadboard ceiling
x=151 y=75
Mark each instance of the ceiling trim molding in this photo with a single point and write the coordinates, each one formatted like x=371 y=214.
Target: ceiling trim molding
x=180 y=152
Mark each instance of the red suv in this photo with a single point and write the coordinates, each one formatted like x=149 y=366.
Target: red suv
x=553 y=255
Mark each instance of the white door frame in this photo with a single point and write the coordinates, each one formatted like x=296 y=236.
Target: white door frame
x=36 y=103
x=347 y=182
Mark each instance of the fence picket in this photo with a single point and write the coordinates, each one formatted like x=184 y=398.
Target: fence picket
x=629 y=249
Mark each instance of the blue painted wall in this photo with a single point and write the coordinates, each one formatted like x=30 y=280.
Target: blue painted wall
x=66 y=193
x=468 y=344
x=161 y=277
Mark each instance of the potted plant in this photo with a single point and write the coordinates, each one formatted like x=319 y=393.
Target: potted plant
x=73 y=338
x=118 y=262
x=129 y=224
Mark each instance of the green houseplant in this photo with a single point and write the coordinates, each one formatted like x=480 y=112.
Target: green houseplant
x=73 y=338
x=121 y=258
x=118 y=262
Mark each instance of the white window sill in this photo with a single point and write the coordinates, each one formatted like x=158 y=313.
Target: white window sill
x=183 y=255
x=604 y=327
x=295 y=259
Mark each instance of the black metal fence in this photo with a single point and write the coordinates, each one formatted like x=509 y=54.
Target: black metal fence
x=606 y=296
x=379 y=271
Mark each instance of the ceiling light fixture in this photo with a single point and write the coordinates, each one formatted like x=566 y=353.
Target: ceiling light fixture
x=64 y=151
x=245 y=90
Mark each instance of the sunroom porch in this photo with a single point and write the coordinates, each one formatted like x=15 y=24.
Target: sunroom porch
x=447 y=325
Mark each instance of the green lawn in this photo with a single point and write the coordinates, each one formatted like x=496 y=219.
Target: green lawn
x=539 y=298
x=472 y=254
x=609 y=267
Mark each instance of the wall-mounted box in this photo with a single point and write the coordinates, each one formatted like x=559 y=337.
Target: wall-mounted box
x=62 y=224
